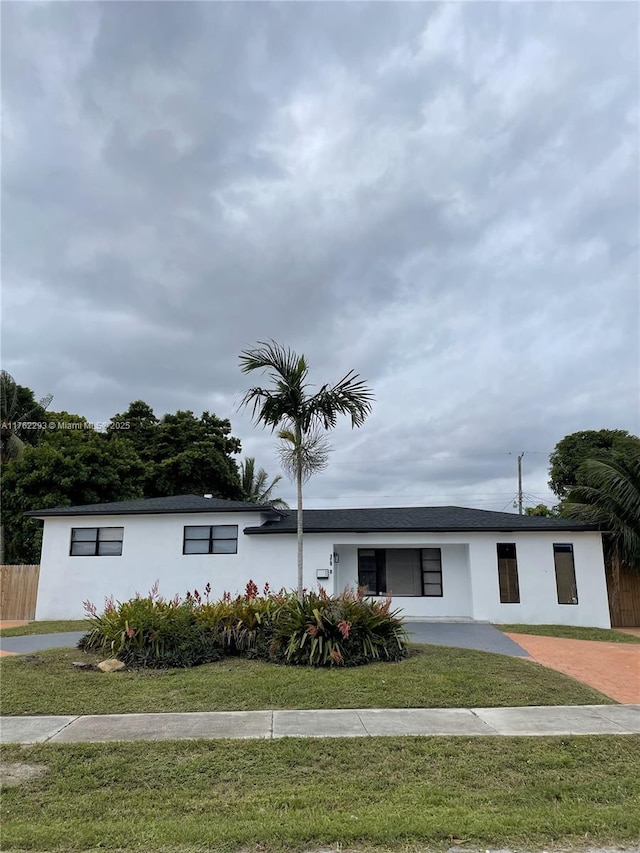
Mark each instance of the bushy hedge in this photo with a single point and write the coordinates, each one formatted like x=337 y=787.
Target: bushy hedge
x=322 y=630
x=151 y=632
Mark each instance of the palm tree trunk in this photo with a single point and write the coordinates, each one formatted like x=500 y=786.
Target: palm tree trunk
x=300 y=533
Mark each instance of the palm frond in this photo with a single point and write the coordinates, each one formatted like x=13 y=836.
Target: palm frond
x=281 y=363
x=350 y=396
x=254 y=485
x=308 y=453
x=609 y=496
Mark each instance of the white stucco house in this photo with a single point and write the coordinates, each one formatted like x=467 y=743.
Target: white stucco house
x=435 y=562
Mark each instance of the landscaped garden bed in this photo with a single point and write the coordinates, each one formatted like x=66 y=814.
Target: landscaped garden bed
x=313 y=629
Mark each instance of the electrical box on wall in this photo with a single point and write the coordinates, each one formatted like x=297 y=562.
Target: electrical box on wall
x=322 y=574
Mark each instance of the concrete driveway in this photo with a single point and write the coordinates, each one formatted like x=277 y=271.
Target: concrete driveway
x=39 y=642
x=464 y=635
x=480 y=636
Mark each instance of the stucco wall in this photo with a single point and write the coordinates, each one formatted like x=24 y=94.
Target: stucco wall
x=152 y=550
x=537 y=580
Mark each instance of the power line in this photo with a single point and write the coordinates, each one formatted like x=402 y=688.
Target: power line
x=421 y=495
x=434 y=458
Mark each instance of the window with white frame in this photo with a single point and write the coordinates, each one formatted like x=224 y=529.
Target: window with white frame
x=210 y=539
x=96 y=541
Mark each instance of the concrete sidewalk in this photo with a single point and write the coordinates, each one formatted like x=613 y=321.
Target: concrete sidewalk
x=545 y=720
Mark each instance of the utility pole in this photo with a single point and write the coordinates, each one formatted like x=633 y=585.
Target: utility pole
x=520 y=482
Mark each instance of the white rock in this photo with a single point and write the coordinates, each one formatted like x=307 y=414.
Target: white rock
x=111 y=665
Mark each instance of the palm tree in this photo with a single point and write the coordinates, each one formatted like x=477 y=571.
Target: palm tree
x=610 y=497
x=300 y=415
x=254 y=485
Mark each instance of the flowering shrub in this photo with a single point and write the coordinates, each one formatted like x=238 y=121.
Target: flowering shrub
x=323 y=630
x=347 y=629
x=151 y=632
x=244 y=624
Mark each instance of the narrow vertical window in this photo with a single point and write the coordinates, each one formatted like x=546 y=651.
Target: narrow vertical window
x=565 y=574
x=372 y=571
x=431 y=559
x=508 y=573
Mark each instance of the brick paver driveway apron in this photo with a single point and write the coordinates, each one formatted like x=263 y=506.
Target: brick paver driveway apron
x=612 y=668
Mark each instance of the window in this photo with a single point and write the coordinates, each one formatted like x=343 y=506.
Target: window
x=96 y=541
x=565 y=574
x=218 y=539
x=431 y=559
x=400 y=571
x=372 y=571
x=508 y=573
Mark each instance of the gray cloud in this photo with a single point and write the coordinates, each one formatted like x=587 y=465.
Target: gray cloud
x=442 y=196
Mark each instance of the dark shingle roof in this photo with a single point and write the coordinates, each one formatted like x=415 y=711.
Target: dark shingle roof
x=407 y=519
x=414 y=518
x=153 y=506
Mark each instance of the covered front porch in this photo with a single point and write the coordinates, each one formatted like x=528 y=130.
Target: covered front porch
x=430 y=580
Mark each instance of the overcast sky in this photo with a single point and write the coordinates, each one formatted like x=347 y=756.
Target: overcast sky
x=443 y=197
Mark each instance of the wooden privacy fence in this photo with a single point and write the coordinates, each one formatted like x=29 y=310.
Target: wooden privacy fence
x=625 y=608
x=18 y=591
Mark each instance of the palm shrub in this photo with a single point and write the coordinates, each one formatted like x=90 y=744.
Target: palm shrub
x=151 y=632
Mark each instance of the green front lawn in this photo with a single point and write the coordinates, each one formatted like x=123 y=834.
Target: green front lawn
x=398 y=794
x=54 y=626
x=432 y=677
x=568 y=632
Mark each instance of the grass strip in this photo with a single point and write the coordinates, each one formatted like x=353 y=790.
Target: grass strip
x=394 y=793
x=568 y=632
x=53 y=626
x=432 y=677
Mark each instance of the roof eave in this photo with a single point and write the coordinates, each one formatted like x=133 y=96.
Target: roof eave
x=42 y=514
x=546 y=528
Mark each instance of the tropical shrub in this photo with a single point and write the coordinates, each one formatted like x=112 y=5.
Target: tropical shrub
x=151 y=632
x=244 y=624
x=320 y=630
x=347 y=629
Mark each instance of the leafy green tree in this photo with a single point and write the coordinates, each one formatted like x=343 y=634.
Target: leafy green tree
x=576 y=448
x=198 y=469
x=541 y=510
x=137 y=425
x=17 y=407
x=300 y=415
x=256 y=487
x=70 y=468
x=191 y=454
x=182 y=453
x=139 y=455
